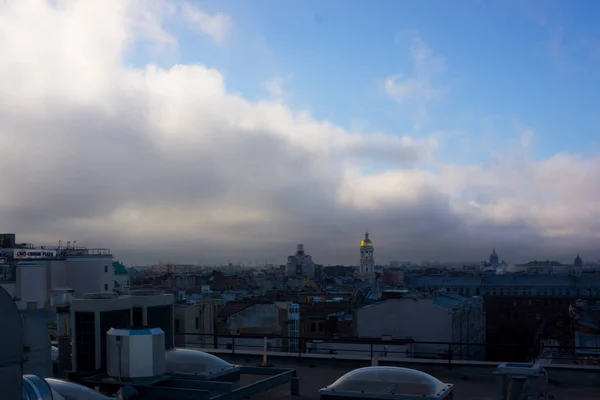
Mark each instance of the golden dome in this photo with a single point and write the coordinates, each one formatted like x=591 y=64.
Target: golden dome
x=366 y=241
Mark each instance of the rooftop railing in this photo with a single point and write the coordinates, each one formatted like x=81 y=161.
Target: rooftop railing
x=86 y=252
x=352 y=348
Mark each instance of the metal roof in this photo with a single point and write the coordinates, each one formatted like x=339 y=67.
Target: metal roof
x=448 y=301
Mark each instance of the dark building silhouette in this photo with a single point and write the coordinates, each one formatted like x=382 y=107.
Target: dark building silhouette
x=494 y=259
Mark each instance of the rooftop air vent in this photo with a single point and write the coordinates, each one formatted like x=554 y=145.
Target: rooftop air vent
x=520 y=380
x=386 y=383
x=61 y=298
x=135 y=353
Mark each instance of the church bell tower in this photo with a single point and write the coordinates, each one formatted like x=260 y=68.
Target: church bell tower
x=367 y=257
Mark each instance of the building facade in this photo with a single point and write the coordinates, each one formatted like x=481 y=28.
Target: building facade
x=524 y=300
x=195 y=324
x=439 y=320
x=29 y=273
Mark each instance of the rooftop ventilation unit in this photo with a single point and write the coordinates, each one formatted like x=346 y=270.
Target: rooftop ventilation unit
x=135 y=353
x=393 y=383
x=521 y=380
x=61 y=298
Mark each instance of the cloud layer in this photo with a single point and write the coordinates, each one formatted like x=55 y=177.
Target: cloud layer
x=168 y=164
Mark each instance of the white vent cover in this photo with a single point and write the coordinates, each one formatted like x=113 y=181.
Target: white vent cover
x=135 y=353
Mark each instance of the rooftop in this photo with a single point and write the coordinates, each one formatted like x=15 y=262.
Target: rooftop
x=473 y=381
x=522 y=279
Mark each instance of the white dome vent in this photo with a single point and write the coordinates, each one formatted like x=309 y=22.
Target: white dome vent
x=195 y=362
x=387 y=383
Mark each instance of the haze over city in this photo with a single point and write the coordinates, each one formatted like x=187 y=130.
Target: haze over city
x=226 y=130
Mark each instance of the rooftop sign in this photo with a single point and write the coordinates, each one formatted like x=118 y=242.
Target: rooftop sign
x=33 y=254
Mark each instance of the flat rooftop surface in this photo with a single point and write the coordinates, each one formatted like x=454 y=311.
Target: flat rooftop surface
x=471 y=383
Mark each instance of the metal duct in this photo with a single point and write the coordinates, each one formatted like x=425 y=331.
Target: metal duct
x=11 y=348
x=36 y=388
x=73 y=391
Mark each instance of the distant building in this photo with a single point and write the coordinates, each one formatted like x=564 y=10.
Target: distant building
x=524 y=300
x=258 y=319
x=194 y=323
x=586 y=324
x=122 y=278
x=443 y=318
x=494 y=259
x=300 y=264
x=367 y=258
x=578 y=261
x=29 y=273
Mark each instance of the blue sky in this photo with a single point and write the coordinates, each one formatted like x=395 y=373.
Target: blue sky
x=509 y=66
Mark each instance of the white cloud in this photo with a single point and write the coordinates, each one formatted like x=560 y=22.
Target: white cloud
x=217 y=25
x=275 y=88
x=526 y=138
x=169 y=164
x=419 y=88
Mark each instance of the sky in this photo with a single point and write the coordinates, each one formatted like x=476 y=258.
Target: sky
x=229 y=131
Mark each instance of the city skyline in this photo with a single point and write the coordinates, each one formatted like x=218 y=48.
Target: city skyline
x=215 y=131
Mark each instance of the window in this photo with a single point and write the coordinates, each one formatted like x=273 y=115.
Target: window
x=197 y=323
x=106 y=268
x=106 y=286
